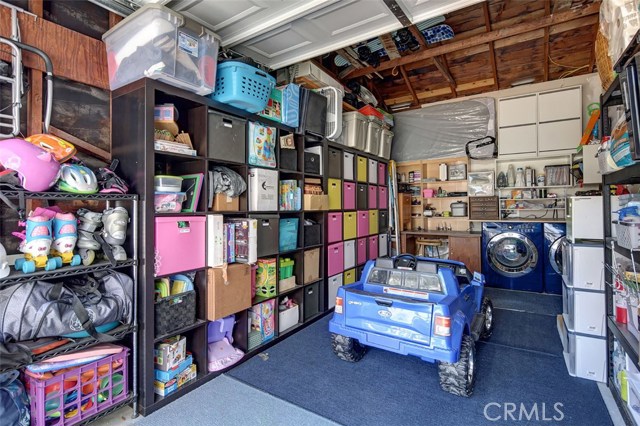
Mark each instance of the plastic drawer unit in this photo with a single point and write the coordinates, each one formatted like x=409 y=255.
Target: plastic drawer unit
x=347 y=166
x=350 y=220
x=354 y=130
x=361 y=168
x=348 y=195
x=361 y=251
x=227 y=137
x=382 y=173
x=383 y=197
x=349 y=254
x=335 y=163
x=268 y=229
x=311 y=300
x=373 y=247
x=585 y=356
x=179 y=244
x=584 y=310
x=383 y=245
x=363 y=223
x=372 y=171
x=373 y=222
x=349 y=277
x=335 y=258
x=362 y=196
x=372 y=197
x=335 y=194
x=335 y=282
x=334 y=227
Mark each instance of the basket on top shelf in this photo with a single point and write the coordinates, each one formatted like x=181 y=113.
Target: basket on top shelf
x=628 y=234
x=243 y=86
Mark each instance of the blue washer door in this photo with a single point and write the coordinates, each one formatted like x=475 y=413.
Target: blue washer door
x=555 y=255
x=512 y=254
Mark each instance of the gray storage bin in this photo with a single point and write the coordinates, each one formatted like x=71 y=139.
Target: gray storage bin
x=374 y=130
x=268 y=230
x=227 y=137
x=311 y=300
x=354 y=130
x=335 y=163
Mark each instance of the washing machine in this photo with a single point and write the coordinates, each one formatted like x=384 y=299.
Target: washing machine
x=512 y=255
x=554 y=234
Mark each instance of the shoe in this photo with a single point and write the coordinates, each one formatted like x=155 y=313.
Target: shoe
x=115 y=222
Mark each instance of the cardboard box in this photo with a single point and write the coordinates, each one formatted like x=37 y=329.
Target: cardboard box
x=165 y=376
x=170 y=353
x=311 y=265
x=223 y=203
x=316 y=202
x=166 y=388
x=228 y=290
x=215 y=240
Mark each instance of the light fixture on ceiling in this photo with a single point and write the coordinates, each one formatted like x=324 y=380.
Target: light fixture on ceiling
x=523 y=81
x=400 y=106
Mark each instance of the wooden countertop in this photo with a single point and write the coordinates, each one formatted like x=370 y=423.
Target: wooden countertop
x=463 y=234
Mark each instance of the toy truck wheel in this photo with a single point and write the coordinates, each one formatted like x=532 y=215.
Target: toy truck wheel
x=487 y=313
x=346 y=348
x=459 y=377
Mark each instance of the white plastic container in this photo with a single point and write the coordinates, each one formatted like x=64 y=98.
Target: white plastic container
x=584 y=356
x=386 y=136
x=374 y=129
x=584 y=311
x=158 y=43
x=166 y=183
x=354 y=130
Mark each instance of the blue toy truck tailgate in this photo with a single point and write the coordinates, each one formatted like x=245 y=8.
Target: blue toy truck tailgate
x=385 y=315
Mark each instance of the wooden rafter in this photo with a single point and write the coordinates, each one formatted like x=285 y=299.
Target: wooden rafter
x=441 y=64
x=418 y=36
x=485 y=38
x=389 y=46
x=443 y=91
x=492 y=51
x=592 y=55
x=547 y=48
x=409 y=86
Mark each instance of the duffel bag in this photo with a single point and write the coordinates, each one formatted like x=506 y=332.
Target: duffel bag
x=482 y=149
x=14 y=402
x=41 y=309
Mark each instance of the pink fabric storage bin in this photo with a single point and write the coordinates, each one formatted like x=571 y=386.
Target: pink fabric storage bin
x=373 y=197
x=349 y=196
x=335 y=258
x=428 y=192
x=382 y=174
x=361 y=251
x=363 y=223
x=180 y=244
x=383 y=197
x=373 y=247
x=334 y=227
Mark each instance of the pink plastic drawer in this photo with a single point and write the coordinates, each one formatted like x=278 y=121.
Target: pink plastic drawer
x=363 y=223
x=334 y=227
x=180 y=244
x=382 y=174
x=373 y=197
x=349 y=196
x=335 y=258
x=383 y=197
x=361 y=251
x=373 y=247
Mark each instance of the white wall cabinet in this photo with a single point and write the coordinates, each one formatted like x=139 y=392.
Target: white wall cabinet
x=545 y=123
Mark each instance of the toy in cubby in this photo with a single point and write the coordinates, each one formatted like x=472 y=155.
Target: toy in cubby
x=220 y=352
x=173 y=365
x=287 y=279
x=266 y=278
x=261 y=323
x=288 y=313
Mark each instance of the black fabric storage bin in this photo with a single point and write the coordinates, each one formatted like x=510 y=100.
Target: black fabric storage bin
x=359 y=272
x=311 y=300
x=361 y=197
x=311 y=163
x=227 y=137
x=268 y=230
x=335 y=163
x=174 y=312
x=312 y=235
x=383 y=221
x=313 y=113
x=289 y=159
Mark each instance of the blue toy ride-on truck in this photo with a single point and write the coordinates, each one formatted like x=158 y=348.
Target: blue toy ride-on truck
x=431 y=308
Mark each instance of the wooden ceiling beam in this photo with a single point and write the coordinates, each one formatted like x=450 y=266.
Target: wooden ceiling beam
x=440 y=91
x=405 y=77
x=485 y=38
x=441 y=64
x=572 y=25
x=592 y=55
x=547 y=48
x=521 y=38
x=492 y=50
x=389 y=46
x=418 y=36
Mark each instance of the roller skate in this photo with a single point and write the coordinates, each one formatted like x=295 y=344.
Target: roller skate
x=114 y=231
x=65 y=236
x=87 y=244
x=36 y=246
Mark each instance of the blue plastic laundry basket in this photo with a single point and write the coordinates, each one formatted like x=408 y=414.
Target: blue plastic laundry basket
x=242 y=86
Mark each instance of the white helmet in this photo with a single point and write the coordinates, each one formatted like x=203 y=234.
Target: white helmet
x=77 y=179
x=4 y=263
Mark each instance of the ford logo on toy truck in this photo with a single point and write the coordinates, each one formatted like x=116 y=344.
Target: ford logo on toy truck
x=431 y=308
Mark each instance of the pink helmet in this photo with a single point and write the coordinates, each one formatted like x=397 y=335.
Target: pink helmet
x=36 y=168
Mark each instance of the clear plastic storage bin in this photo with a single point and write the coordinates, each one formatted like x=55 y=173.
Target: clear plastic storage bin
x=158 y=43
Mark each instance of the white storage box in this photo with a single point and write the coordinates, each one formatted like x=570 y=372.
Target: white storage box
x=215 y=240
x=372 y=142
x=584 y=311
x=349 y=254
x=383 y=249
x=354 y=130
x=386 y=136
x=347 y=169
x=158 y=43
x=582 y=266
x=373 y=172
x=335 y=282
x=263 y=190
x=288 y=318
x=584 y=356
